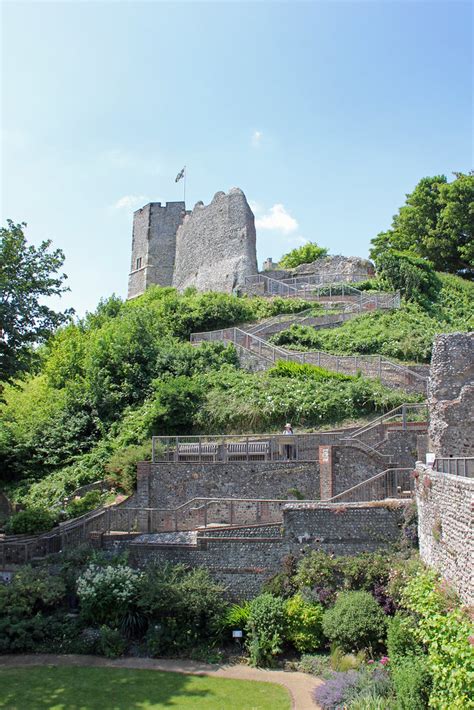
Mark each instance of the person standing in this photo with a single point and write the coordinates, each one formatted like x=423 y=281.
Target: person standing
x=288 y=431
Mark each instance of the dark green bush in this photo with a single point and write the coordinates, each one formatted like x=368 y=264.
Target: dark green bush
x=412 y=682
x=111 y=642
x=184 y=608
x=401 y=641
x=31 y=521
x=415 y=278
x=355 y=622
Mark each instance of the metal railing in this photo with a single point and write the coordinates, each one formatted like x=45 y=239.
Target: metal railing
x=21 y=549
x=238 y=449
x=390 y=373
x=328 y=291
x=406 y=416
x=455 y=465
x=392 y=483
x=197 y=513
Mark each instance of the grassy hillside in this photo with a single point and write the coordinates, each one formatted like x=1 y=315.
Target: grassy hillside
x=108 y=382
x=405 y=334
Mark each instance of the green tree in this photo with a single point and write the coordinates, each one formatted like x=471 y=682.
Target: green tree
x=305 y=254
x=436 y=223
x=415 y=278
x=27 y=275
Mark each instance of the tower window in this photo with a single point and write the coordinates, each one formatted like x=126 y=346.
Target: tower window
x=139 y=263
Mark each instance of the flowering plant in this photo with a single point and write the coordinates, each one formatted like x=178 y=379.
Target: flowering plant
x=106 y=593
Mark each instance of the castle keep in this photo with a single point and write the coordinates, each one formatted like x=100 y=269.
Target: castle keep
x=212 y=248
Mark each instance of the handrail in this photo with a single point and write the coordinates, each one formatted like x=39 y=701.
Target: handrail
x=455 y=465
x=332 y=362
x=282 y=287
x=401 y=409
x=364 y=484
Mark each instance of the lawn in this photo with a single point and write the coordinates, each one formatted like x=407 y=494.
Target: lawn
x=55 y=688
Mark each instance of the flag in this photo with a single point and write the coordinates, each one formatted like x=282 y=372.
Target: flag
x=180 y=175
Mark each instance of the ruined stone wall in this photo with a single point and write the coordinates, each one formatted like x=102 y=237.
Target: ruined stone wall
x=445 y=524
x=154 y=242
x=242 y=559
x=451 y=395
x=216 y=245
x=347 y=269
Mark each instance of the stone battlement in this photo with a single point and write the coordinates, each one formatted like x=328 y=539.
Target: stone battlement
x=212 y=247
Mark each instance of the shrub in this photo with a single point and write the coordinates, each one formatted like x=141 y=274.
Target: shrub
x=415 y=278
x=266 y=628
x=111 y=642
x=447 y=635
x=237 y=616
x=412 y=682
x=86 y=503
x=332 y=693
x=30 y=592
x=401 y=640
x=305 y=254
x=304 y=624
x=122 y=466
x=106 y=593
x=355 y=622
x=31 y=521
x=184 y=608
x=314 y=665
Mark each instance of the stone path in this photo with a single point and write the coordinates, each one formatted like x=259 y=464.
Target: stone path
x=299 y=685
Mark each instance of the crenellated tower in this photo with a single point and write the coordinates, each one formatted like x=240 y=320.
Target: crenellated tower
x=154 y=245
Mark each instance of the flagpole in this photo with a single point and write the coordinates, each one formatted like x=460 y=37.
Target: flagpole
x=184 y=188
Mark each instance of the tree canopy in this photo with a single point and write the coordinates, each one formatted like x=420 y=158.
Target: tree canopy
x=435 y=223
x=27 y=274
x=305 y=254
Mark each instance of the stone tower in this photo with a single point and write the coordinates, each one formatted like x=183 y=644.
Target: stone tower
x=216 y=245
x=154 y=245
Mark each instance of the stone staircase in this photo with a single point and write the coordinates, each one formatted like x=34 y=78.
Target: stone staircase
x=391 y=374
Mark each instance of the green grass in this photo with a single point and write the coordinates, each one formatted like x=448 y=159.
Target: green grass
x=56 y=688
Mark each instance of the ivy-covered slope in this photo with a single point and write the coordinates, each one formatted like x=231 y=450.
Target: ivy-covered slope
x=108 y=382
x=405 y=334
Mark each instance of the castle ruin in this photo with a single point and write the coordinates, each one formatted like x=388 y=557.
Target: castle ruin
x=212 y=247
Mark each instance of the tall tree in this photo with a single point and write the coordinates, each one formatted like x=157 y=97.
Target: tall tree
x=436 y=223
x=27 y=275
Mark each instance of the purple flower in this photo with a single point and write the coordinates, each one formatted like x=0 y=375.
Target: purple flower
x=331 y=694
x=384 y=660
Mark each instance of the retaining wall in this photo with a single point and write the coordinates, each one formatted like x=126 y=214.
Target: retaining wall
x=445 y=527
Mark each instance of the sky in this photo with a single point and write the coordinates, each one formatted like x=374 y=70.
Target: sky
x=325 y=113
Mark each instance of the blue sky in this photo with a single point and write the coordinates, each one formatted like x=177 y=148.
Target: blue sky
x=324 y=113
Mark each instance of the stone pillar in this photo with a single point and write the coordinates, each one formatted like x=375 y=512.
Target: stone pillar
x=326 y=473
x=143 y=484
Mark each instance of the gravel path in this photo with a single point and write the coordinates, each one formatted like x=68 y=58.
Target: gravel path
x=299 y=685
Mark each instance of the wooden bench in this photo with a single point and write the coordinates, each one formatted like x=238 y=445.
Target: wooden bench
x=257 y=450
x=199 y=452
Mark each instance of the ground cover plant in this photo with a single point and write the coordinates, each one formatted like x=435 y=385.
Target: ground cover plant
x=56 y=688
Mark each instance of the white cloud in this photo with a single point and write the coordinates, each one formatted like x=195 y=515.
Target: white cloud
x=257 y=138
x=131 y=202
x=278 y=220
